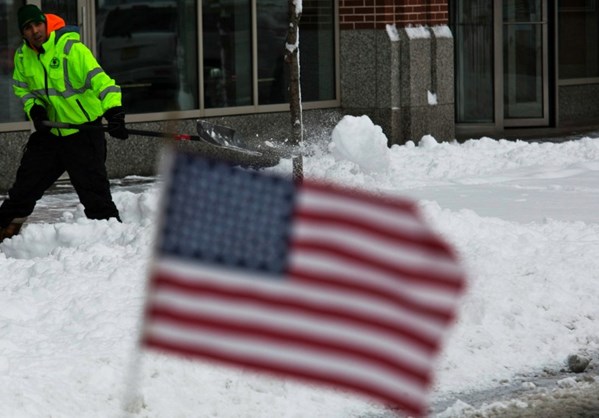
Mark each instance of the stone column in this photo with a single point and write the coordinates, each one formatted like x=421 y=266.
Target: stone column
x=397 y=66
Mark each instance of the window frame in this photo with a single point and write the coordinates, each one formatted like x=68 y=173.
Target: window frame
x=87 y=17
x=576 y=81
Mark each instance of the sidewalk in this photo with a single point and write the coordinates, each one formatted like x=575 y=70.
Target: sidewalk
x=554 y=395
x=61 y=197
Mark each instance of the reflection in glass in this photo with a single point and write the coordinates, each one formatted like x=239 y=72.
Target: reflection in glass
x=523 y=71
x=67 y=9
x=578 y=39
x=11 y=109
x=317 y=49
x=227 y=43
x=474 y=61
x=522 y=11
x=150 y=49
x=273 y=72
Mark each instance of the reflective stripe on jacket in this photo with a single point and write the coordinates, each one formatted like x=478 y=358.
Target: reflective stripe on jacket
x=64 y=77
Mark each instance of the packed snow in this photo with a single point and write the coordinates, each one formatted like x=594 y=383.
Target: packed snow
x=523 y=218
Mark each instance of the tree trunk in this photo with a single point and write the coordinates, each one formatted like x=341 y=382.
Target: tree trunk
x=295 y=94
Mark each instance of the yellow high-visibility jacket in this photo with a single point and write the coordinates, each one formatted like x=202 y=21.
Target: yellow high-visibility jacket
x=64 y=78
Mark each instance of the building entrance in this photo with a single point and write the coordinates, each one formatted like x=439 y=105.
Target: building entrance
x=502 y=59
x=523 y=63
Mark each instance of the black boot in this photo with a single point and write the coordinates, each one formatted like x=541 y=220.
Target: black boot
x=12 y=229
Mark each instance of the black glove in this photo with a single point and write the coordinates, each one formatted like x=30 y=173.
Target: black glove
x=116 y=122
x=39 y=114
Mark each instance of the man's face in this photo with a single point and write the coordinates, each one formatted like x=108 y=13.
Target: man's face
x=35 y=33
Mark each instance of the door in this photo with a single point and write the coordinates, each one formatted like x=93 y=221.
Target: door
x=522 y=63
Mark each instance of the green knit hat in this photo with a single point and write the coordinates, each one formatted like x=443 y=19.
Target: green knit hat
x=29 y=13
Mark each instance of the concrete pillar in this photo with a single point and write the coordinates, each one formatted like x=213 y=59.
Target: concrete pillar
x=402 y=78
x=427 y=87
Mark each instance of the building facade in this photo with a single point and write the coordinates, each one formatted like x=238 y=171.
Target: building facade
x=448 y=68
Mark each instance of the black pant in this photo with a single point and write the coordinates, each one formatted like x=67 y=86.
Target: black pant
x=46 y=158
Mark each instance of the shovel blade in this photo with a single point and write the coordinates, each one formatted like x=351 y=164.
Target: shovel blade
x=218 y=134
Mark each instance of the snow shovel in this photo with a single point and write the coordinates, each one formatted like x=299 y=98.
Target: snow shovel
x=229 y=137
x=216 y=135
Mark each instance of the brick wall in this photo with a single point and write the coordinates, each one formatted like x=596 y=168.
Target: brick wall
x=375 y=14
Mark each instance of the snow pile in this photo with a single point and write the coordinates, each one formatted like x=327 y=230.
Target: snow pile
x=359 y=141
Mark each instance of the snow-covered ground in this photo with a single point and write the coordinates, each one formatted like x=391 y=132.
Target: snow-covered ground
x=523 y=217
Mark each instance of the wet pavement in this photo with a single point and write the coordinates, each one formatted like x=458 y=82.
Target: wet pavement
x=551 y=394
x=61 y=197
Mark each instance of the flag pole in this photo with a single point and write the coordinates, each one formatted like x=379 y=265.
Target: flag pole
x=132 y=376
x=131 y=402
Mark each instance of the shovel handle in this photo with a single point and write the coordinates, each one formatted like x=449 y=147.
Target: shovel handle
x=141 y=132
x=204 y=137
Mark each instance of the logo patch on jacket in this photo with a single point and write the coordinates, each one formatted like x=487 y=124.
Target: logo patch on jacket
x=54 y=63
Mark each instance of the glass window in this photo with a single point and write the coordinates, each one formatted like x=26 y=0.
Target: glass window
x=150 y=49
x=523 y=59
x=578 y=35
x=522 y=11
x=11 y=109
x=473 y=28
x=273 y=72
x=227 y=45
x=317 y=48
x=523 y=70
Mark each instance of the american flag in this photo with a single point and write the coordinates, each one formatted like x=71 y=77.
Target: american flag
x=312 y=281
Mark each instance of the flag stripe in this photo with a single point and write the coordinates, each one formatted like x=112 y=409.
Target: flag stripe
x=358 y=291
x=167 y=295
x=343 y=283
x=315 y=365
x=336 y=333
x=315 y=362
x=301 y=338
x=353 y=274
x=342 y=241
x=353 y=198
x=275 y=289
x=407 y=403
x=284 y=352
x=424 y=242
x=345 y=255
x=376 y=247
x=359 y=314
x=383 y=213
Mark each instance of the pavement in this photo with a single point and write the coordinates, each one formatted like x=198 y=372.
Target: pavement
x=551 y=394
x=61 y=197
